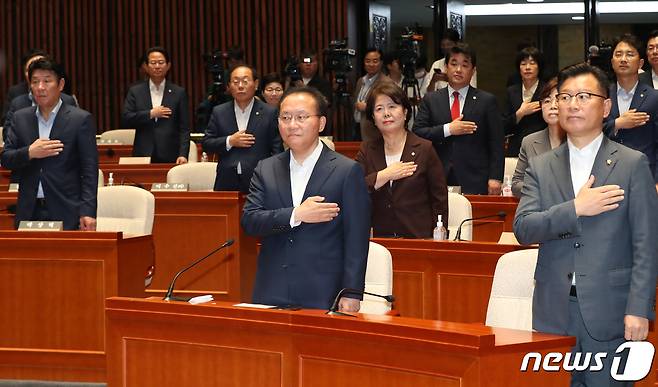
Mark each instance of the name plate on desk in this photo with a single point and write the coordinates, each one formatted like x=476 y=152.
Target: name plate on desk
x=13 y=187
x=40 y=225
x=134 y=160
x=175 y=187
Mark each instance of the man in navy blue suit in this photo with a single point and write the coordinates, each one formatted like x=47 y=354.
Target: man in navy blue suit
x=311 y=209
x=53 y=146
x=242 y=132
x=633 y=120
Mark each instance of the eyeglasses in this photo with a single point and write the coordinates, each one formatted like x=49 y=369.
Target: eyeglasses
x=301 y=118
x=274 y=90
x=582 y=98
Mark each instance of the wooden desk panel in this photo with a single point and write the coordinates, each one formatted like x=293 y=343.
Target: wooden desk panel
x=55 y=284
x=308 y=348
x=348 y=148
x=489 y=230
x=110 y=153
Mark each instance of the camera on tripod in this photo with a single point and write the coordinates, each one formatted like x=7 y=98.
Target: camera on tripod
x=409 y=51
x=215 y=65
x=337 y=57
x=291 y=69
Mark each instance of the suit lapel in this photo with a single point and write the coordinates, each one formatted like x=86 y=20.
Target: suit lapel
x=604 y=162
x=254 y=117
x=409 y=153
x=323 y=169
x=542 y=145
x=562 y=171
x=444 y=106
x=282 y=174
x=469 y=103
x=61 y=120
x=167 y=95
x=639 y=97
x=147 y=94
x=614 y=112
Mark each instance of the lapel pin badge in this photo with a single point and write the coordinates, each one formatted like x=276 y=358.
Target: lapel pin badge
x=257 y=113
x=474 y=97
x=413 y=153
x=642 y=95
x=608 y=161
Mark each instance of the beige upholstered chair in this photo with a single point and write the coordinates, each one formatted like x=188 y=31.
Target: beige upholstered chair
x=379 y=280
x=101 y=179
x=510 y=303
x=459 y=208
x=198 y=176
x=327 y=140
x=125 y=208
x=123 y=136
x=193 y=155
x=510 y=165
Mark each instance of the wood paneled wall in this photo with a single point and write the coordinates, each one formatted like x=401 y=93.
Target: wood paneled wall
x=99 y=41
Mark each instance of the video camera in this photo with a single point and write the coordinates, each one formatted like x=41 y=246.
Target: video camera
x=215 y=65
x=337 y=57
x=291 y=69
x=409 y=51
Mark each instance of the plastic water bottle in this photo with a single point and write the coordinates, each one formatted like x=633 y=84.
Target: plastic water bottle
x=439 y=233
x=110 y=180
x=204 y=157
x=507 y=186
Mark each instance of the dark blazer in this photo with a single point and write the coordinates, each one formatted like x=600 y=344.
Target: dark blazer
x=323 y=86
x=262 y=124
x=473 y=159
x=643 y=138
x=409 y=207
x=70 y=179
x=24 y=100
x=645 y=78
x=168 y=138
x=309 y=264
x=532 y=145
x=13 y=92
x=613 y=254
x=529 y=124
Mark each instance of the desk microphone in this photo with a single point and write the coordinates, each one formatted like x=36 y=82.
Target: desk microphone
x=169 y=296
x=334 y=307
x=132 y=182
x=458 y=236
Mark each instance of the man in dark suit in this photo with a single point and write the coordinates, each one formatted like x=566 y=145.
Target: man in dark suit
x=158 y=111
x=650 y=77
x=53 y=145
x=592 y=207
x=26 y=100
x=242 y=132
x=633 y=120
x=22 y=87
x=310 y=207
x=465 y=126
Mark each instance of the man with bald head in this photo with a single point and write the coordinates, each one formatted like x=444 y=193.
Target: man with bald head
x=242 y=132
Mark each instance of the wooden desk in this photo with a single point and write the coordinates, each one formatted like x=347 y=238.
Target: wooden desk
x=110 y=153
x=489 y=230
x=53 y=287
x=156 y=343
x=187 y=226
x=129 y=174
x=348 y=148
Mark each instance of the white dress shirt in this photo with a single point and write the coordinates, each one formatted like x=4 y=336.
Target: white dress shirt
x=157 y=92
x=45 y=126
x=654 y=78
x=624 y=98
x=451 y=98
x=529 y=92
x=300 y=173
x=581 y=162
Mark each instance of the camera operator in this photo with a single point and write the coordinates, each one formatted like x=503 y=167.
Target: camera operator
x=372 y=62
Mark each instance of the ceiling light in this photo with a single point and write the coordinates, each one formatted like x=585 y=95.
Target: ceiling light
x=535 y=1
x=571 y=8
x=578 y=18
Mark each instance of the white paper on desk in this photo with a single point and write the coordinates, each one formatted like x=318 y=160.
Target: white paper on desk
x=255 y=306
x=201 y=299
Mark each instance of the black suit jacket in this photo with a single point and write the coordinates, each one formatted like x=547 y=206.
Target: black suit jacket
x=163 y=140
x=643 y=138
x=529 y=124
x=70 y=179
x=13 y=92
x=323 y=86
x=262 y=124
x=645 y=78
x=22 y=101
x=309 y=264
x=472 y=159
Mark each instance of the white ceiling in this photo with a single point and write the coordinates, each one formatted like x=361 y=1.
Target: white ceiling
x=409 y=12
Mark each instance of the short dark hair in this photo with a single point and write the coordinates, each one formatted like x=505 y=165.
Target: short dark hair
x=269 y=78
x=392 y=91
x=530 y=52
x=159 y=49
x=374 y=49
x=390 y=57
x=584 y=69
x=235 y=53
x=548 y=87
x=462 y=48
x=452 y=35
x=320 y=100
x=308 y=53
x=31 y=54
x=653 y=34
x=47 y=65
x=629 y=39
x=254 y=74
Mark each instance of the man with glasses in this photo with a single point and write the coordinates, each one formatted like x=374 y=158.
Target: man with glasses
x=242 y=132
x=651 y=77
x=633 y=120
x=157 y=109
x=592 y=207
x=311 y=209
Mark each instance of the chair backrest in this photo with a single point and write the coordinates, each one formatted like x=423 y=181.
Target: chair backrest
x=123 y=136
x=510 y=165
x=198 y=176
x=327 y=140
x=125 y=208
x=459 y=208
x=510 y=303
x=193 y=155
x=379 y=280
x=101 y=179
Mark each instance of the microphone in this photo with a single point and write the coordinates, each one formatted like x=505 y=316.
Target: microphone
x=133 y=182
x=334 y=307
x=169 y=296
x=458 y=236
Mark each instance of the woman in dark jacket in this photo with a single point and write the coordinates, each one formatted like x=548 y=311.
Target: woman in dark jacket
x=403 y=172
